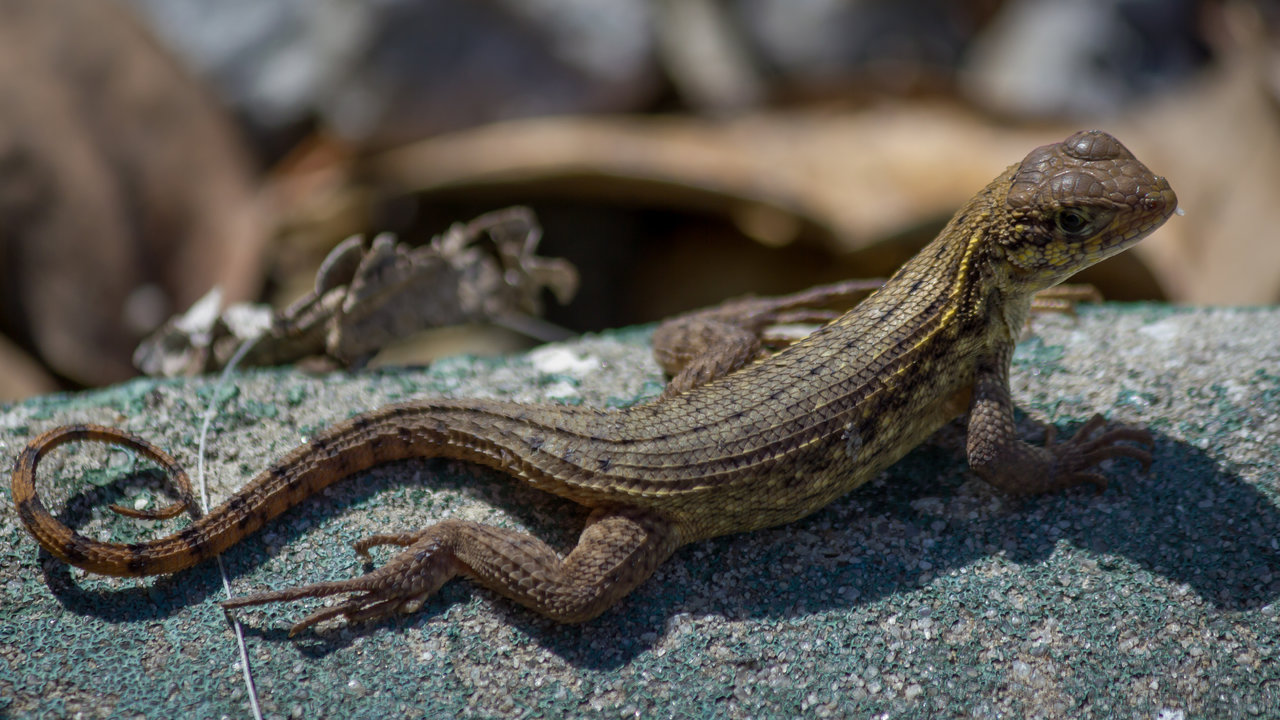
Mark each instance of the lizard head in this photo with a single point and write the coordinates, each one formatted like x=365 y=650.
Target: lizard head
x=1076 y=202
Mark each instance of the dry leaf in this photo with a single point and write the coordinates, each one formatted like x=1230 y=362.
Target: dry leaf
x=369 y=294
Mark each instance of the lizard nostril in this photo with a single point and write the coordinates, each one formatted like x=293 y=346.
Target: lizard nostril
x=1162 y=197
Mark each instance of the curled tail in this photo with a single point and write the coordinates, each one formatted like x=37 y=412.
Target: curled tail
x=66 y=544
x=486 y=432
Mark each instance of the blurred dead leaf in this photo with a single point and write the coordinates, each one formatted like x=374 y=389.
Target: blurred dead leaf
x=854 y=181
x=855 y=178
x=123 y=190
x=1218 y=141
x=370 y=294
x=20 y=375
x=850 y=182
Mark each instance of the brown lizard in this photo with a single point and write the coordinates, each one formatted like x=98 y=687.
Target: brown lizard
x=741 y=442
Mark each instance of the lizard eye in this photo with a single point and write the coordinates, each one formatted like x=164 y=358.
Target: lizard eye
x=1075 y=222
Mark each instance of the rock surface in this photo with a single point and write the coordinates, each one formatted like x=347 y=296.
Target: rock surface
x=921 y=594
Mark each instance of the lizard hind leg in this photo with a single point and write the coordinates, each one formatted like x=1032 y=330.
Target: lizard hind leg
x=703 y=345
x=616 y=552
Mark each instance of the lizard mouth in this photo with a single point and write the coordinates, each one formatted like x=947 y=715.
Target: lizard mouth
x=1128 y=229
x=1159 y=203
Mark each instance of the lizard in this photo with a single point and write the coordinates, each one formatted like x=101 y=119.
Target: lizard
x=743 y=439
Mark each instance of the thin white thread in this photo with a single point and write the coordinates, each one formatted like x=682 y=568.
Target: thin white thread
x=210 y=410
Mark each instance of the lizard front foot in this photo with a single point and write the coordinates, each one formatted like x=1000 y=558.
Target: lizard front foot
x=1019 y=468
x=400 y=586
x=1071 y=459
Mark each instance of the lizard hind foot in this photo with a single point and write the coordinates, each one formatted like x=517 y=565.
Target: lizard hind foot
x=402 y=585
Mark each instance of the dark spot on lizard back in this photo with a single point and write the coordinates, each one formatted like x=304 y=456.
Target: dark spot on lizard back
x=190 y=536
x=77 y=549
x=26 y=512
x=237 y=506
x=137 y=561
x=30 y=455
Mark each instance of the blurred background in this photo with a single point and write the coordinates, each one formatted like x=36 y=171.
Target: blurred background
x=677 y=151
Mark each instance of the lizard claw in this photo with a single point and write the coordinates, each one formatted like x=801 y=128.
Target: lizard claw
x=402 y=585
x=1083 y=450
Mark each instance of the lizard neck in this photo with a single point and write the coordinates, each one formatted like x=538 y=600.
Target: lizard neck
x=950 y=288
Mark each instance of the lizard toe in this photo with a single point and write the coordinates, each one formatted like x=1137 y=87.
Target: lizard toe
x=403 y=584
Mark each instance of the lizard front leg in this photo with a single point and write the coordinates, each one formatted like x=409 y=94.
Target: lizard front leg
x=998 y=455
x=617 y=551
